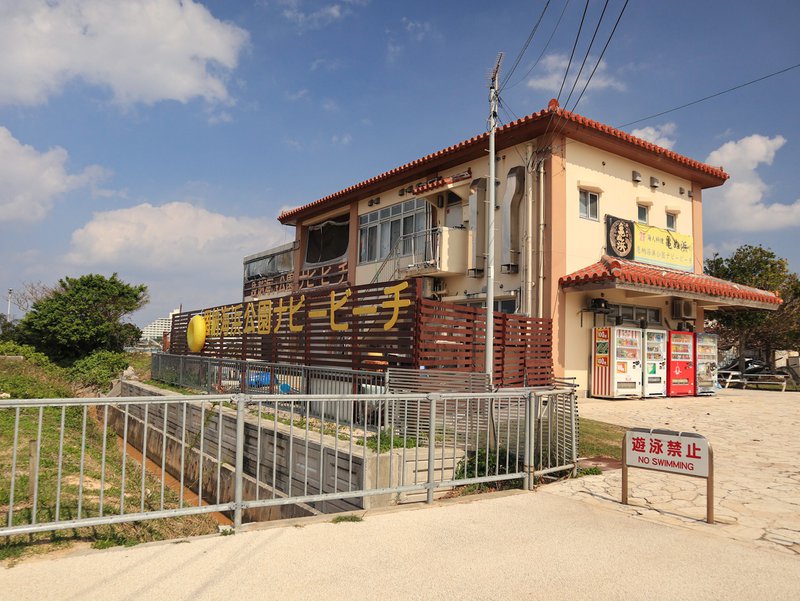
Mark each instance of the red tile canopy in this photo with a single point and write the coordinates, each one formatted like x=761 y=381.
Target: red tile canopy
x=619 y=273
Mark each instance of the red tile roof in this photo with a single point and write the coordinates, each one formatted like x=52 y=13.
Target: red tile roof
x=612 y=269
x=545 y=120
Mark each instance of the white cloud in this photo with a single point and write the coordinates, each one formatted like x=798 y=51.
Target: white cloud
x=393 y=50
x=419 y=31
x=554 y=66
x=662 y=135
x=170 y=239
x=316 y=19
x=185 y=254
x=740 y=205
x=30 y=181
x=411 y=31
x=298 y=95
x=330 y=106
x=326 y=64
x=342 y=140
x=144 y=51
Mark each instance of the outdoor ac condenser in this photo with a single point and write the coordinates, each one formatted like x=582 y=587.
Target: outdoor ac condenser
x=683 y=309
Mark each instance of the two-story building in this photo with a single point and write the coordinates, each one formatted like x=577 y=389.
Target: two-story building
x=591 y=224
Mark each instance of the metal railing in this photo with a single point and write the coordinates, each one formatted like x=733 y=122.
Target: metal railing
x=71 y=463
x=221 y=376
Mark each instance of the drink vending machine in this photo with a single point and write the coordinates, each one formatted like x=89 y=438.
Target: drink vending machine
x=616 y=362
x=654 y=382
x=706 y=357
x=680 y=364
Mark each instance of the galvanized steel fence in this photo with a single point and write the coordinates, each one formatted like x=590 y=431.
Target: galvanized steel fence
x=220 y=376
x=70 y=463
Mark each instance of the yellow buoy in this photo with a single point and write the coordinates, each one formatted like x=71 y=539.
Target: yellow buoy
x=196 y=333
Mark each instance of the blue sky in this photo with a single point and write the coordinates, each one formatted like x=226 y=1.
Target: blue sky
x=160 y=139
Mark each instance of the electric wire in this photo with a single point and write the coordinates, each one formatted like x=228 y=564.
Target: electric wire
x=525 y=46
x=683 y=106
x=591 y=75
x=586 y=56
x=572 y=54
x=546 y=46
x=600 y=58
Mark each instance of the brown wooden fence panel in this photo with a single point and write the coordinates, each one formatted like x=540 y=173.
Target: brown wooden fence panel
x=339 y=327
x=347 y=327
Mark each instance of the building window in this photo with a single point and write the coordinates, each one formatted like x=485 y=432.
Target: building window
x=634 y=315
x=643 y=213
x=380 y=231
x=672 y=222
x=327 y=242
x=589 y=202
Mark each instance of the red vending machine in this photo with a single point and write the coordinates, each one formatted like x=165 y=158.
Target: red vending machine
x=680 y=364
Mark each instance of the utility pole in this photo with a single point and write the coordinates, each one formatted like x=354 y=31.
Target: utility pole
x=8 y=313
x=493 y=102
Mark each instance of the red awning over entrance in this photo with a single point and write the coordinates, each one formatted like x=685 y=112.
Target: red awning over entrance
x=612 y=272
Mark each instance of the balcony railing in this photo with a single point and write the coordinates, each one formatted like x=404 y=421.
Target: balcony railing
x=436 y=251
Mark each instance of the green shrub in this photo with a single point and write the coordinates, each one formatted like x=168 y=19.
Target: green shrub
x=99 y=368
x=28 y=352
x=476 y=464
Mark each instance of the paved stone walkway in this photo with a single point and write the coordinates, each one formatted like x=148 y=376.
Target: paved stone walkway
x=756 y=441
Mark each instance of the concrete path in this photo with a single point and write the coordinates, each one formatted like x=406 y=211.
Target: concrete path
x=520 y=546
x=756 y=440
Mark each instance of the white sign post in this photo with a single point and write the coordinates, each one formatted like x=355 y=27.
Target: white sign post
x=683 y=453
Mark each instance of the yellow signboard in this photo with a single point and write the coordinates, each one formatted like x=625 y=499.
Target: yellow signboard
x=662 y=247
x=273 y=315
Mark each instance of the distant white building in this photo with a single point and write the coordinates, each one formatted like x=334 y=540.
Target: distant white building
x=155 y=330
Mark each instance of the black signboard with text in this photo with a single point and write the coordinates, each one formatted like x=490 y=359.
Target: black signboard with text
x=620 y=238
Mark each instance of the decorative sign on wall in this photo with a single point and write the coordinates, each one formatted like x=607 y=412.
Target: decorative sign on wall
x=325 y=275
x=648 y=244
x=265 y=286
x=664 y=247
x=619 y=238
x=275 y=315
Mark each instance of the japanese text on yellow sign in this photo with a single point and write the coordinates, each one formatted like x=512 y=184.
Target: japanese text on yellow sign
x=273 y=316
x=663 y=247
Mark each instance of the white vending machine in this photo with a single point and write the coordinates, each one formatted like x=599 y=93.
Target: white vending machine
x=706 y=359
x=616 y=362
x=654 y=380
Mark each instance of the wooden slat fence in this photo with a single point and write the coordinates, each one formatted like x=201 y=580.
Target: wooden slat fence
x=298 y=329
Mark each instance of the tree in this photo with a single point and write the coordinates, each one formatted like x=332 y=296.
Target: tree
x=754 y=329
x=82 y=315
x=7 y=329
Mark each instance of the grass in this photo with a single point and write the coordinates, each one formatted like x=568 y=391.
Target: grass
x=339 y=519
x=25 y=380
x=599 y=439
x=96 y=479
x=172 y=387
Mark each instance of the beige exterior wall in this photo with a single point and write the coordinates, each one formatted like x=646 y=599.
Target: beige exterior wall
x=611 y=176
x=570 y=242
x=460 y=288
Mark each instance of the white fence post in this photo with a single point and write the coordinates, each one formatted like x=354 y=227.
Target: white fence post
x=241 y=402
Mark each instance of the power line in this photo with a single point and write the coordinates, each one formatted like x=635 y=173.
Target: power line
x=525 y=46
x=586 y=56
x=683 y=106
x=546 y=46
x=572 y=54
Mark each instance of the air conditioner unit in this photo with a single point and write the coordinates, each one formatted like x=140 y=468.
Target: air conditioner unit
x=683 y=309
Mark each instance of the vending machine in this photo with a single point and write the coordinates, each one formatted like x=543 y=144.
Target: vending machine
x=706 y=357
x=616 y=362
x=680 y=364
x=654 y=382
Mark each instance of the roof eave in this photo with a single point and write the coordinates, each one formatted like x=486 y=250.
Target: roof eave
x=724 y=301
